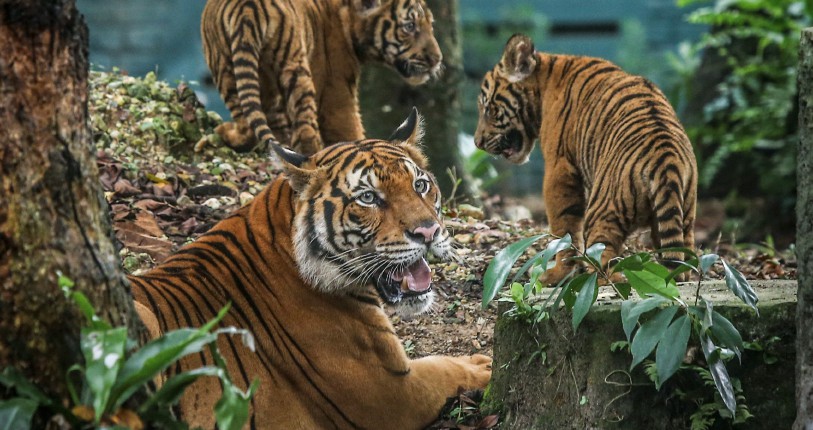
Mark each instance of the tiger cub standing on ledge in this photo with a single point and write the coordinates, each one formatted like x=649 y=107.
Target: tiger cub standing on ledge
x=307 y=266
x=616 y=156
x=288 y=70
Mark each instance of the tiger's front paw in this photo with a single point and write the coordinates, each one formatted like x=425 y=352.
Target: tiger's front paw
x=479 y=369
x=306 y=141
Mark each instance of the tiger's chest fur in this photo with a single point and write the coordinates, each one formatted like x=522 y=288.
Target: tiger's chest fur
x=288 y=70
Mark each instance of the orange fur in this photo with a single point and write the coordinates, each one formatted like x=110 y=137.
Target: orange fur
x=288 y=69
x=616 y=156
x=306 y=266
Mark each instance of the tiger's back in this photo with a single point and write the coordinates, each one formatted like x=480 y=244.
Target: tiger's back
x=616 y=156
x=288 y=69
x=307 y=266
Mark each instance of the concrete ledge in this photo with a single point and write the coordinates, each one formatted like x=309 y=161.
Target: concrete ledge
x=583 y=385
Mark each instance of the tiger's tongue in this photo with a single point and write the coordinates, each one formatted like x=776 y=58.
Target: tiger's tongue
x=417 y=277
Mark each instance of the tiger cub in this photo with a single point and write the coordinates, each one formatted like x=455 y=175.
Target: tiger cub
x=288 y=70
x=307 y=266
x=616 y=156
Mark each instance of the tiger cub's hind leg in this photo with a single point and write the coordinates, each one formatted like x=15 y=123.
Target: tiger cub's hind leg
x=564 y=205
x=673 y=216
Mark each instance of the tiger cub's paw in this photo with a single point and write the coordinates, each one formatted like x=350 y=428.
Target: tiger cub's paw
x=235 y=138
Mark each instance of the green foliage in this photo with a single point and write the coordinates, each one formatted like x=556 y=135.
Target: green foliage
x=660 y=321
x=751 y=117
x=110 y=378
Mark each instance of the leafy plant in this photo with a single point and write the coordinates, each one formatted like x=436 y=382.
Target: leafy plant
x=749 y=122
x=110 y=377
x=661 y=322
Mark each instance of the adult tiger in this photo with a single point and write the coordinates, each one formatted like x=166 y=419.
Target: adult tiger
x=307 y=266
x=288 y=69
x=616 y=156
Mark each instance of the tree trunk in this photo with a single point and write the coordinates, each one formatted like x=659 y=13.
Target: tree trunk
x=53 y=217
x=386 y=100
x=804 y=238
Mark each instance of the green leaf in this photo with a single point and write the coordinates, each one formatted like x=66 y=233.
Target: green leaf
x=231 y=411
x=157 y=355
x=645 y=283
x=173 y=388
x=706 y=261
x=624 y=289
x=633 y=262
x=672 y=348
x=574 y=286
x=632 y=310
x=740 y=287
x=726 y=333
x=16 y=413
x=499 y=268
x=719 y=373
x=104 y=352
x=585 y=299
x=12 y=378
x=594 y=252
x=650 y=333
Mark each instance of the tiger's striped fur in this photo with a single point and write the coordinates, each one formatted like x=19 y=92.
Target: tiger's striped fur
x=288 y=69
x=307 y=266
x=616 y=156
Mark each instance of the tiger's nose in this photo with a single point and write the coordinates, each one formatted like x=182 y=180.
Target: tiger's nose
x=424 y=234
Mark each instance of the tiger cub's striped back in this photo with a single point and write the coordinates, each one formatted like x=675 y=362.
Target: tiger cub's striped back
x=288 y=69
x=616 y=156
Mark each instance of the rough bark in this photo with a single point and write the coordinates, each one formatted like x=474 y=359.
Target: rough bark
x=804 y=238
x=53 y=217
x=386 y=99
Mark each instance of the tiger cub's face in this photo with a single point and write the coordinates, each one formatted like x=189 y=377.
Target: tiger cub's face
x=368 y=212
x=508 y=104
x=399 y=33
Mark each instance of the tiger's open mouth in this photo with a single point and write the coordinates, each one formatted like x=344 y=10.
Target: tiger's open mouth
x=510 y=144
x=413 y=281
x=417 y=72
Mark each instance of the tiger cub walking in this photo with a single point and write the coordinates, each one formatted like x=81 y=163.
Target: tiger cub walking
x=307 y=266
x=288 y=69
x=616 y=156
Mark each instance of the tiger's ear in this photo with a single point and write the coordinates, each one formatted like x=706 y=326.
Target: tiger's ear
x=411 y=130
x=519 y=58
x=365 y=6
x=292 y=163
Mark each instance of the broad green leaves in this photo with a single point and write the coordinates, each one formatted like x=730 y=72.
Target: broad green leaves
x=110 y=378
x=672 y=348
x=499 y=268
x=584 y=299
x=16 y=413
x=740 y=287
x=650 y=333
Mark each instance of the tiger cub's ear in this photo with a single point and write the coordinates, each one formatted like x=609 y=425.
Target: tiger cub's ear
x=292 y=163
x=519 y=58
x=411 y=130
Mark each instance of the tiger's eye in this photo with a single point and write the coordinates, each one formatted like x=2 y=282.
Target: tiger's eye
x=409 y=27
x=368 y=198
x=421 y=186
